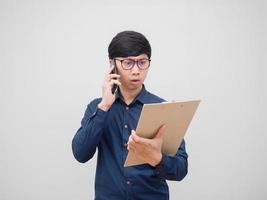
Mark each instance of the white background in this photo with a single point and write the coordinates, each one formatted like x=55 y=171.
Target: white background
x=53 y=56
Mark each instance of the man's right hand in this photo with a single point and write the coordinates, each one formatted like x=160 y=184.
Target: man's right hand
x=107 y=97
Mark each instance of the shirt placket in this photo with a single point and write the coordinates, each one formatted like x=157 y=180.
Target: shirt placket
x=126 y=132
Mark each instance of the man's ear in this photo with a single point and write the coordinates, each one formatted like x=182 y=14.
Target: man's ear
x=111 y=62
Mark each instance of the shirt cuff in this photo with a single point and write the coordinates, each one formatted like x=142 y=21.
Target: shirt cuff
x=162 y=167
x=99 y=115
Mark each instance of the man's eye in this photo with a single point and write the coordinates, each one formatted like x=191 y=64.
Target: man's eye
x=142 y=62
x=128 y=62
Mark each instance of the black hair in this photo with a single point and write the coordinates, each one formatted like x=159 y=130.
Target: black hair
x=129 y=43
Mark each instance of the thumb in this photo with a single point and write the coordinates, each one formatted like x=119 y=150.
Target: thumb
x=161 y=131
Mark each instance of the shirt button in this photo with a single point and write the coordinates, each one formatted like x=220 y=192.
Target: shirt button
x=125 y=126
x=127 y=108
x=128 y=182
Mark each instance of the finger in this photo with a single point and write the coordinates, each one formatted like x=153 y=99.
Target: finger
x=131 y=149
x=110 y=69
x=128 y=148
x=113 y=76
x=113 y=81
x=140 y=140
x=130 y=144
x=161 y=131
x=130 y=141
x=135 y=137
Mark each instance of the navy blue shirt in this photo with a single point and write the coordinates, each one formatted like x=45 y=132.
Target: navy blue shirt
x=109 y=132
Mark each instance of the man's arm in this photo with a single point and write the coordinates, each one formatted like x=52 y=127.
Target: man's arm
x=173 y=168
x=89 y=134
x=92 y=127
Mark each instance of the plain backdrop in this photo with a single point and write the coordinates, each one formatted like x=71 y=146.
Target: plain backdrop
x=53 y=57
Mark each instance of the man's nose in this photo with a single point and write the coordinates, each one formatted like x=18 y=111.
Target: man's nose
x=135 y=69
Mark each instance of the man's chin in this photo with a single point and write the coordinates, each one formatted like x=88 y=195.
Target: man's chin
x=135 y=86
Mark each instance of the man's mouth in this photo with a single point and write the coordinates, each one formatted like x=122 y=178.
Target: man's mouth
x=135 y=81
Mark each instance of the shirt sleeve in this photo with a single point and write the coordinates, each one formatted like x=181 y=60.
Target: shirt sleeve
x=89 y=134
x=173 y=167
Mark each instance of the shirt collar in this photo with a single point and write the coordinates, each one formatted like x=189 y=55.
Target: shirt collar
x=142 y=97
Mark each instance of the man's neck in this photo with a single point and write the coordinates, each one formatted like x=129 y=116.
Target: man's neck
x=129 y=95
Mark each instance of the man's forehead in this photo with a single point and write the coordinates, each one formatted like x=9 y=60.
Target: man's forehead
x=135 y=57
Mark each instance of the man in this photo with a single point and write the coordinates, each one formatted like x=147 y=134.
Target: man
x=109 y=125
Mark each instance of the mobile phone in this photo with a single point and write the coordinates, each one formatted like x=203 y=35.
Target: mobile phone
x=114 y=71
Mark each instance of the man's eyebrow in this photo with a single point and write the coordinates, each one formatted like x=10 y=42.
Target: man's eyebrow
x=143 y=57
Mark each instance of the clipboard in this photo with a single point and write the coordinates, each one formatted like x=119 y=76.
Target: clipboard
x=175 y=115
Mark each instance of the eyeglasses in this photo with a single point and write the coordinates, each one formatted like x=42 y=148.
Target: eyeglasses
x=128 y=63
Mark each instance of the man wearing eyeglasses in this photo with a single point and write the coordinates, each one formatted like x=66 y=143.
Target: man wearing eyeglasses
x=109 y=125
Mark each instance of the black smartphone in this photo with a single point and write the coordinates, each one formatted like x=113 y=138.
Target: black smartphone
x=114 y=71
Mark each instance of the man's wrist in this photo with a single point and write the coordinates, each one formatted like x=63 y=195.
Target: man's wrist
x=103 y=107
x=157 y=160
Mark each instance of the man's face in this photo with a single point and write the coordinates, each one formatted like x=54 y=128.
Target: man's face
x=133 y=78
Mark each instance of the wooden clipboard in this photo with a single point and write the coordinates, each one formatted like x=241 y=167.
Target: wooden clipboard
x=175 y=115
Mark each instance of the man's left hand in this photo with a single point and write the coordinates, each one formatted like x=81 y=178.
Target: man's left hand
x=148 y=150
